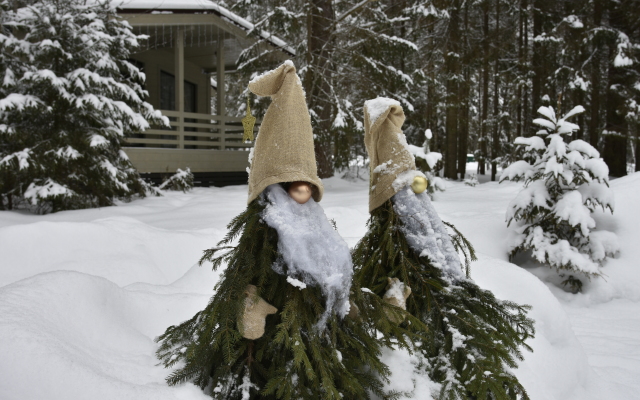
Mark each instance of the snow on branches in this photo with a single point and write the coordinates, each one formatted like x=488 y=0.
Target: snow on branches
x=429 y=162
x=564 y=183
x=182 y=180
x=68 y=98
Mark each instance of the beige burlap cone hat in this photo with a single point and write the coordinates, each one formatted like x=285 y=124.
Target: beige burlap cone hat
x=284 y=148
x=389 y=155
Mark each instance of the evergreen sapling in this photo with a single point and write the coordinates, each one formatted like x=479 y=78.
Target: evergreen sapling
x=182 y=180
x=564 y=183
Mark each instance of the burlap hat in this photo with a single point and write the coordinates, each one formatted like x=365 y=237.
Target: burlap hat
x=389 y=155
x=284 y=148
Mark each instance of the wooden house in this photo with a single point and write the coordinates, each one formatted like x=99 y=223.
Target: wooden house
x=191 y=51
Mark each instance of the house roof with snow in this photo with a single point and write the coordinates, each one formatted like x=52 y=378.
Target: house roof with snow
x=166 y=7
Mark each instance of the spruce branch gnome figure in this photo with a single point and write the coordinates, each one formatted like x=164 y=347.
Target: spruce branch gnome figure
x=276 y=326
x=473 y=338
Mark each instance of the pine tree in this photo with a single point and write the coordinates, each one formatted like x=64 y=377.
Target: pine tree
x=182 y=180
x=293 y=360
x=563 y=184
x=68 y=99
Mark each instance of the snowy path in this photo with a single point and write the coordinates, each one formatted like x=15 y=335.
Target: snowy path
x=84 y=293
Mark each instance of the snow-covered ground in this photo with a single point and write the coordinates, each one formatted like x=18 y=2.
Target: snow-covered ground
x=84 y=293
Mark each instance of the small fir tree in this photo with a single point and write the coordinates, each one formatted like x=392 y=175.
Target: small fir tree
x=564 y=183
x=182 y=180
x=68 y=98
x=474 y=339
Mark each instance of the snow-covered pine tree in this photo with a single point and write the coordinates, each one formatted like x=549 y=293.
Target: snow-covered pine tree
x=474 y=338
x=564 y=183
x=320 y=341
x=68 y=98
x=182 y=180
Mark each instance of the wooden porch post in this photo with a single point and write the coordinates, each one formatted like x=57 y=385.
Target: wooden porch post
x=220 y=105
x=179 y=77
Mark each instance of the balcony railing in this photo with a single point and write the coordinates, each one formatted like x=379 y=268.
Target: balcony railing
x=195 y=131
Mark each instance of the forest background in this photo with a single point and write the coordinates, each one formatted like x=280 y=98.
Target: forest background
x=474 y=72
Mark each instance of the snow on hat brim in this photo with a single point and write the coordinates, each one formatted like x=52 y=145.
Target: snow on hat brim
x=387 y=146
x=284 y=149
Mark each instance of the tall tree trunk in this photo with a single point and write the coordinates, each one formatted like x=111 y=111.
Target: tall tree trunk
x=430 y=112
x=453 y=102
x=637 y=153
x=525 y=55
x=579 y=99
x=463 y=126
x=485 y=88
x=614 y=151
x=463 y=120
x=521 y=63
x=538 y=56
x=495 y=137
x=594 y=122
x=318 y=79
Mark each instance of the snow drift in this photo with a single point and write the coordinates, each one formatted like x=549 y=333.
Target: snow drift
x=89 y=333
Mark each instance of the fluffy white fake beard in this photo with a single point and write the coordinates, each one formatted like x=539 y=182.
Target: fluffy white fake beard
x=311 y=250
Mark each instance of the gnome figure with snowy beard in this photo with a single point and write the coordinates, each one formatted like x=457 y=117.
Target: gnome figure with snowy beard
x=276 y=326
x=473 y=337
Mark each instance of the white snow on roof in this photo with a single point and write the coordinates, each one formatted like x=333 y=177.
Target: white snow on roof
x=201 y=5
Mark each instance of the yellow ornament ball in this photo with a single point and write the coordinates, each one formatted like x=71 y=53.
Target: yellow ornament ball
x=419 y=184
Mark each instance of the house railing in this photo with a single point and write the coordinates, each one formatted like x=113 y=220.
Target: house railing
x=195 y=131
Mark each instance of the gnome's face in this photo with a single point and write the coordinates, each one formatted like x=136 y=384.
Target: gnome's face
x=300 y=191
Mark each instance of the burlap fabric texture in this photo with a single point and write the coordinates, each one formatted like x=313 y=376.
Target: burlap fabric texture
x=397 y=294
x=284 y=147
x=386 y=145
x=254 y=314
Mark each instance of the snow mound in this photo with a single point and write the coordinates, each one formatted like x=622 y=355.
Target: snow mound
x=75 y=336
x=197 y=279
x=312 y=251
x=121 y=249
x=558 y=359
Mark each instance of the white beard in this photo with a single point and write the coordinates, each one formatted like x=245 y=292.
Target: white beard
x=426 y=234
x=312 y=251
